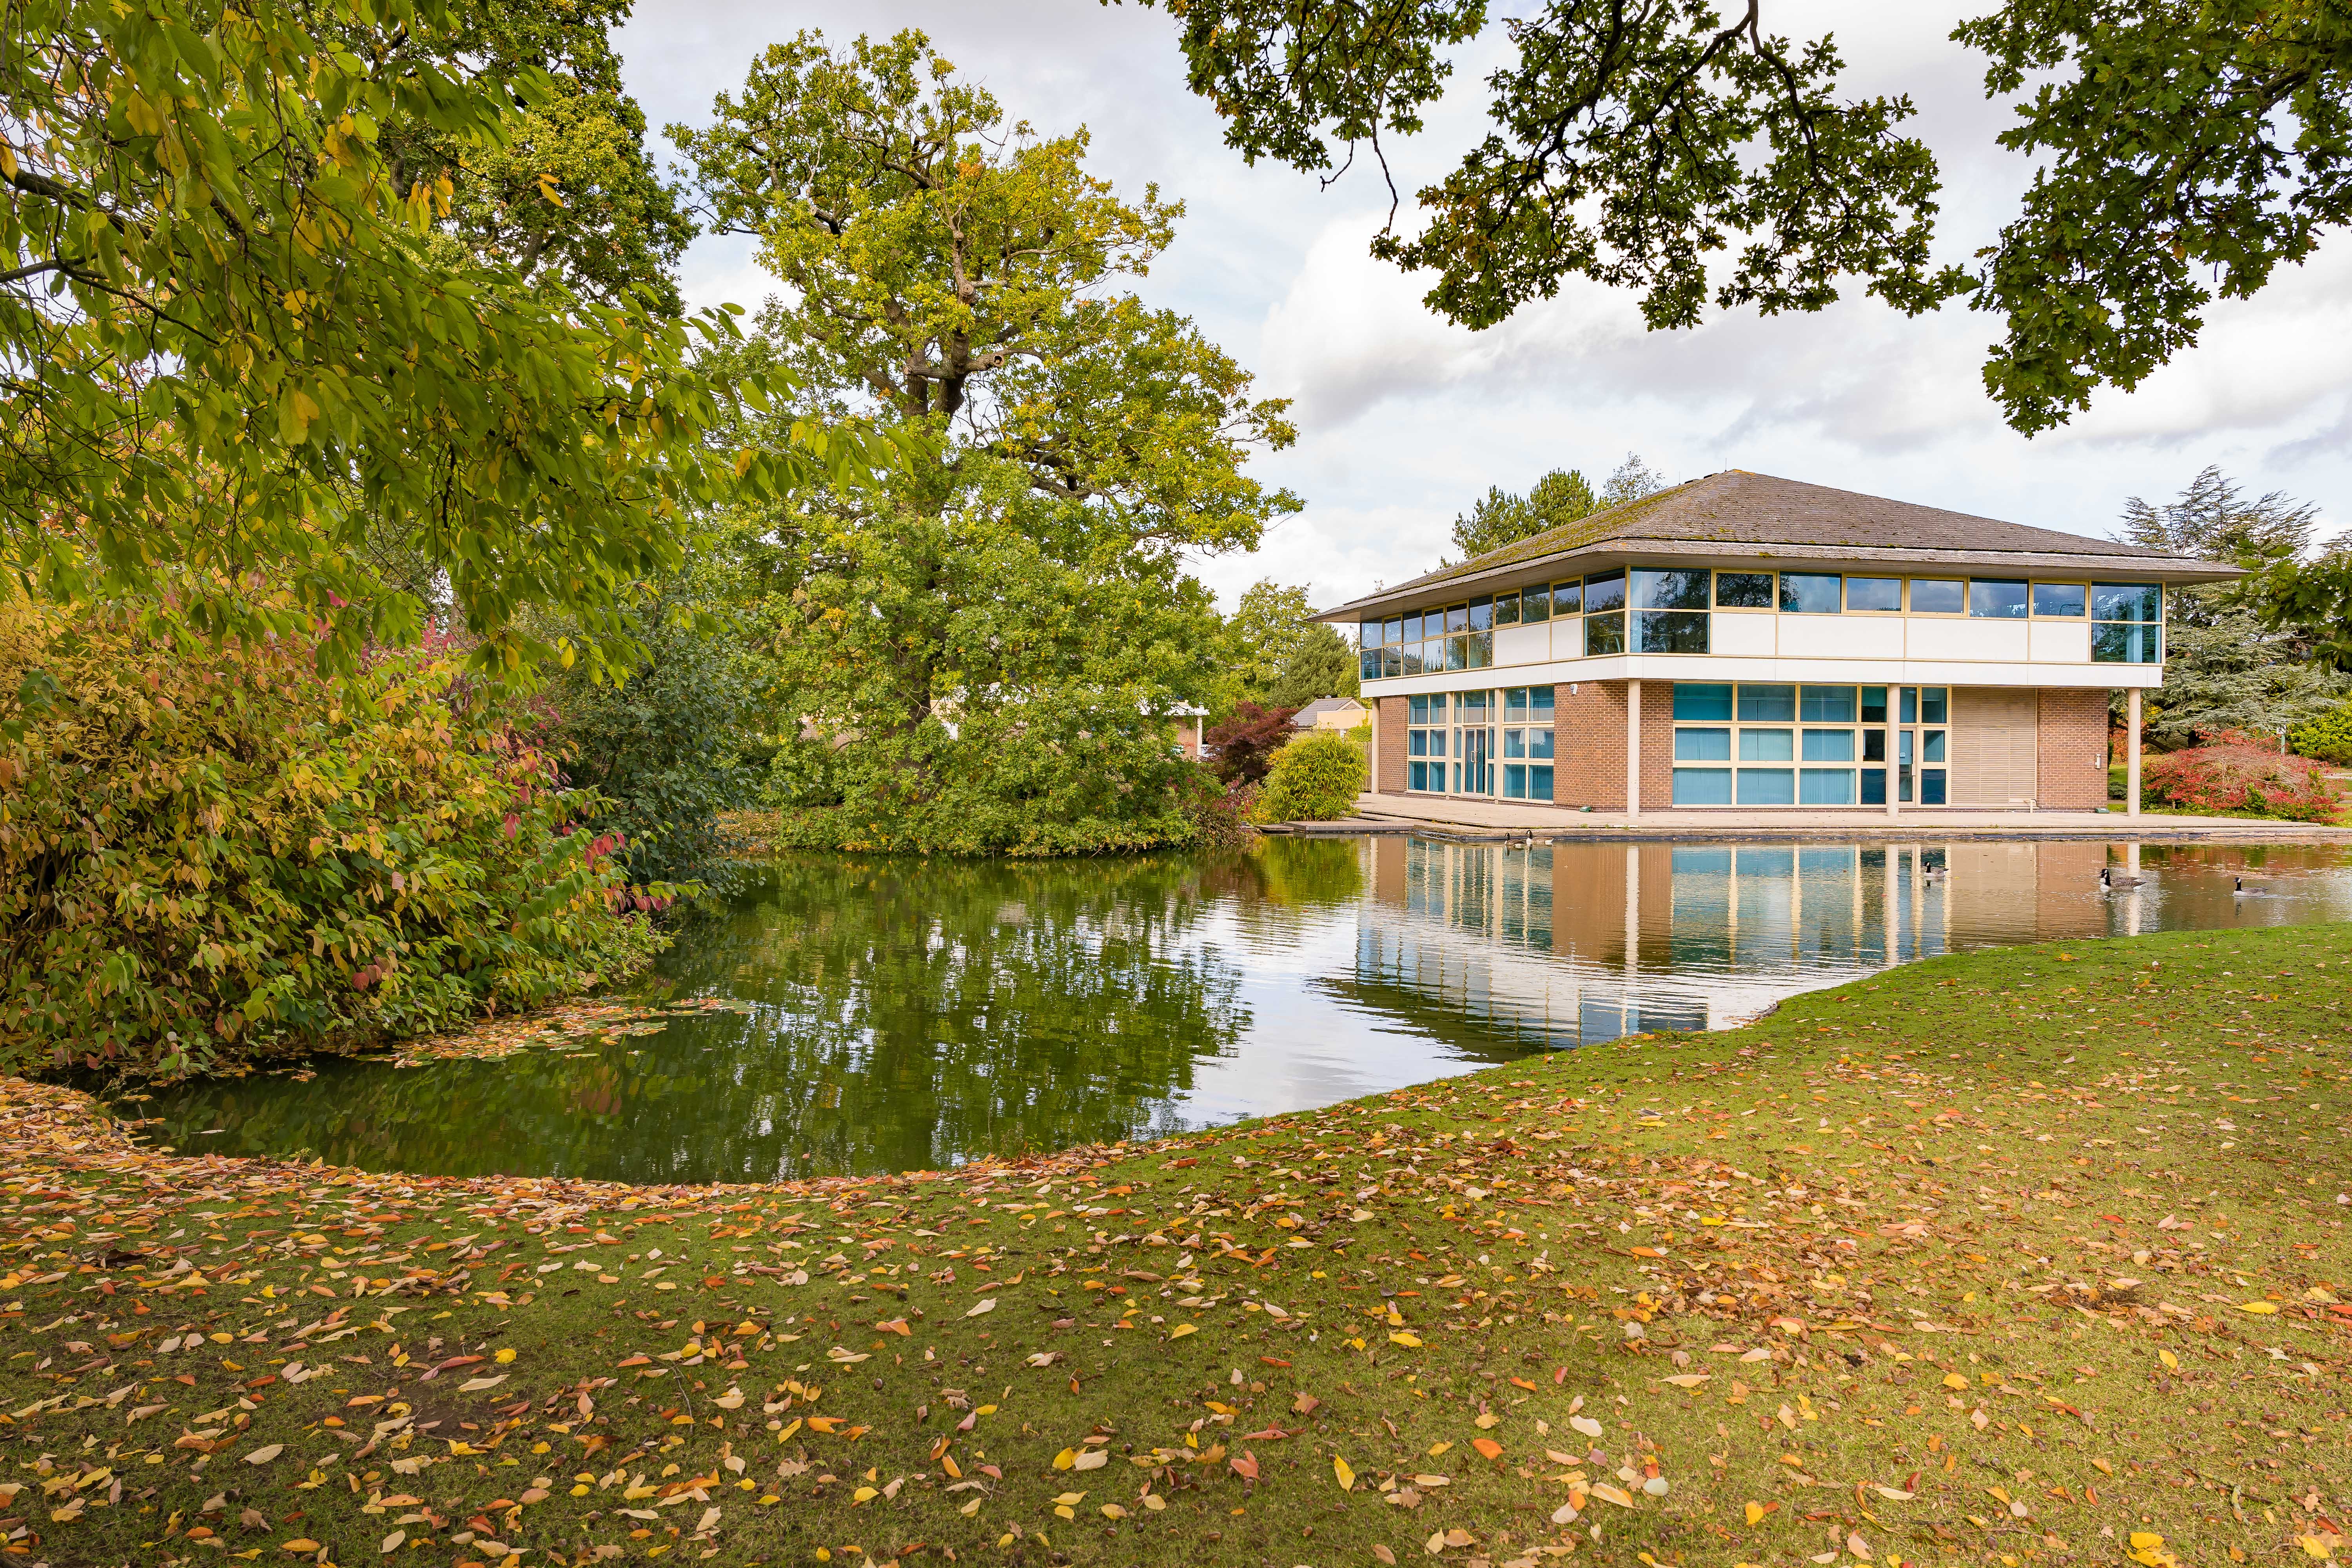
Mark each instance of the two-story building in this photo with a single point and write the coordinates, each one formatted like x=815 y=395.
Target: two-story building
x=1755 y=643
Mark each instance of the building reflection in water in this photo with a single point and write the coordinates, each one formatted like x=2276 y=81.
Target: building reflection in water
x=1564 y=945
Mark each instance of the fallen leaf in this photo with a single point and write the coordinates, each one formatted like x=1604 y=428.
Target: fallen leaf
x=987 y=1304
x=1346 y=1476
x=265 y=1453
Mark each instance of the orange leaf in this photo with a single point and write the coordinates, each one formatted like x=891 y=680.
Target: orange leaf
x=1488 y=1447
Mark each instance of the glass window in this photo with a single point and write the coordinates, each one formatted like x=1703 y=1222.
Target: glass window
x=1514 y=780
x=1825 y=787
x=1507 y=609
x=1417 y=708
x=1368 y=663
x=1938 y=597
x=1702 y=786
x=1369 y=635
x=1457 y=653
x=2141 y=602
x=1470 y=708
x=1539 y=703
x=1874 y=705
x=2059 y=598
x=1515 y=705
x=1876 y=594
x=1931 y=747
x=1826 y=704
x=1392 y=662
x=1768 y=787
x=1874 y=787
x=1830 y=745
x=1416 y=742
x=1457 y=617
x=1771 y=704
x=1515 y=743
x=1874 y=747
x=1931 y=786
x=1481 y=651
x=1481 y=614
x=1931 y=705
x=1413 y=627
x=1604 y=634
x=1568 y=598
x=1810 y=592
x=1539 y=783
x=1539 y=742
x=1670 y=631
x=1604 y=592
x=1417 y=775
x=2113 y=643
x=1674 y=590
x=1768 y=745
x=1996 y=599
x=1392 y=631
x=1743 y=590
x=1910 y=712
x=1702 y=699
x=1702 y=745
x=1535 y=604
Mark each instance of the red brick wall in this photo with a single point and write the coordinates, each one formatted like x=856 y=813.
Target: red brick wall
x=1588 y=739
x=2071 y=751
x=1658 y=744
x=1388 y=770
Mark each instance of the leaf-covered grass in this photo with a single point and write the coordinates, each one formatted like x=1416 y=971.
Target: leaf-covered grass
x=2006 y=1258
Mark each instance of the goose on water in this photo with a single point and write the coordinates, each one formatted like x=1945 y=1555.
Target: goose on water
x=2108 y=880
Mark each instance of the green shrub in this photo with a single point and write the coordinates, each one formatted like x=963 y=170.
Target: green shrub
x=1315 y=778
x=209 y=856
x=2326 y=739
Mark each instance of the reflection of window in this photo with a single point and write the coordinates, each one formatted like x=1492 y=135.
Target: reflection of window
x=1938 y=597
x=1604 y=634
x=1566 y=599
x=1678 y=590
x=1874 y=593
x=1670 y=631
x=1810 y=592
x=1992 y=598
x=2059 y=599
x=1743 y=590
x=2126 y=623
x=1604 y=592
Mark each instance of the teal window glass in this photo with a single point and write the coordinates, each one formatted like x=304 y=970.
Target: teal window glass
x=1768 y=704
x=1931 y=746
x=1605 y=591
x=1931 y=705
x=2059 y=598
x=1539 y=742
x=1702 y=745
x=1743 y=590
x=1416 y=744
x=1996 y=599
x=1825 y=787
x=1417 y=775
x=1514 y=780
x=1938 y=597
x=1515 y=743
x=1825 y=704
x=1670 y=631
x=1768 y=787
x=1539 y=783
x=1810 y=592
x=1703 y=701
x=1393 y=630
x=1931 y=786
x=1874 y=593
x=1515 y=705
x=1768 y=745
x=1702 y=786
x=1674 y=590
x=1874 y=705
x=1540 y=704
x=1831 y=746
x=1368 y=663
x=2141 y=602
x=1910 y=711
x=2115 y=644
x=1392 y=662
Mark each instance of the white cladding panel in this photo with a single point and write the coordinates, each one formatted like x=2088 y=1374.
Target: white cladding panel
x=1748 y=636
x=1841 y=636
x=2061 y=642
x=1523 y=645
x=2001 y=641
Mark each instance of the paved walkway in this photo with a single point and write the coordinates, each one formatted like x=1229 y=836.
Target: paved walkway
x=1391 y=813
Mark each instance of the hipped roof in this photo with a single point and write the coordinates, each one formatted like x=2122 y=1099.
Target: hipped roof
x=1737 y=517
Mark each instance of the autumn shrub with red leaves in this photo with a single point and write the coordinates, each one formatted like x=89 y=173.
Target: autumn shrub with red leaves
x=2232 y=772
x=210 y=856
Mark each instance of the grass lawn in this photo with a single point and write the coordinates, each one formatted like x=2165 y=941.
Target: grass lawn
x=2031 y=1255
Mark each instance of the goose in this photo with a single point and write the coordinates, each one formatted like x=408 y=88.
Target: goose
x=2109 y=880
x=2238 y=889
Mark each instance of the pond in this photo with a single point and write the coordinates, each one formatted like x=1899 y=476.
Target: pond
x=896 y=1014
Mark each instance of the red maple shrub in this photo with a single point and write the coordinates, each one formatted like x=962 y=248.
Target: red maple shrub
x=2232 y=771
x=1246 y=740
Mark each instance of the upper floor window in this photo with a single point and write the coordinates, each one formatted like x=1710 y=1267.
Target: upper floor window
x=1994 y=598
x=1810 y=592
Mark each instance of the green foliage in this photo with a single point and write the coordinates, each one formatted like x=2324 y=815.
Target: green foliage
x=659 y=745
x=206 y=861
x=245 y=335
x=984 y=653
x=2326 y=739
x=1315 y=778
x=1278 y=656
x=2182 y=151
x=1562 y=496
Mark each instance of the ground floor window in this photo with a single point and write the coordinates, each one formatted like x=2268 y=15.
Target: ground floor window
x=1495 y=743
x=1773 y=744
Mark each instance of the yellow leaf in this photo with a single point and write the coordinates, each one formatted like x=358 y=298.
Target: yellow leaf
x=1181 y=1330
x=1755 y=1514
x=1954 y=1380
x=2171 y=1362
x=1688 y=1380
x=1608 y=1493
x=1346 y=1476
x=2265 y=1307
x=2311 y=1546
x=1409 y=1341
x=1066 y=1458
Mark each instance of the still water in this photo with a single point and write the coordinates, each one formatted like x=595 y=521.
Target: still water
x=898 y=1015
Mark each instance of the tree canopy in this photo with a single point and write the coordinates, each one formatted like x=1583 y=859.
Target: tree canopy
x=1564 y=495
x=269 y=311
x=2188 y=148
x=985 y=651
x=1280 y=656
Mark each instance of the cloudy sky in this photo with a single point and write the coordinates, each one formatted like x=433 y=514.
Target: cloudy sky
x=1404 y=418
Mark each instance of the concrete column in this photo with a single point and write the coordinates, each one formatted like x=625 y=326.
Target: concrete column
x=1632 y=748
x=2131 y=752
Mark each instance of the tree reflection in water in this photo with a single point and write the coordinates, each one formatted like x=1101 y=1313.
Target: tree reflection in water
x=906 y=1014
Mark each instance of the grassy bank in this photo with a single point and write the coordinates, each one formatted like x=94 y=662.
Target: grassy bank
x=2034 y=1256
